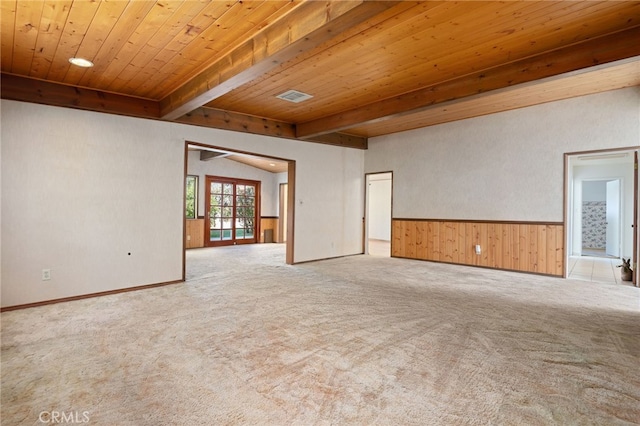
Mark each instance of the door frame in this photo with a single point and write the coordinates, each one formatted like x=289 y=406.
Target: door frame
x=283 y=212
x=636 y=232
x=291 y=181
x=365 y=218
x=569 y=197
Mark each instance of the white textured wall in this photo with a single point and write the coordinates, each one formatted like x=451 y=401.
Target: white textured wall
x=594 y=190
x=232 y=169
x=81 y=190
x=506 y=166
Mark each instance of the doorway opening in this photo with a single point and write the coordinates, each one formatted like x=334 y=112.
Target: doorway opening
x=378 y=213
x=600 y=211
x=240 y=198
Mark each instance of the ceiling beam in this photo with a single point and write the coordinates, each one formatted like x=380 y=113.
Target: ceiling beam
x=613 y=47
x=210 y=155
x=305 y=27
x=227 y=120
x=42 y=92
x=27 y=89
x=587 y=81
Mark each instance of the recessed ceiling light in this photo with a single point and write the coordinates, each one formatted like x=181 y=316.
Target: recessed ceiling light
x=272 y=164
x=294 y=96
x=81 y=62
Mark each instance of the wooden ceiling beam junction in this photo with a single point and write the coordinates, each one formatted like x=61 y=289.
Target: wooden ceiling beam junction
x=613 y=47
x=43 y=92
x=305 y=27
x=228 y=120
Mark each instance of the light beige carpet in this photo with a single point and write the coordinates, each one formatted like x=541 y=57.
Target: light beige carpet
x=357 y=340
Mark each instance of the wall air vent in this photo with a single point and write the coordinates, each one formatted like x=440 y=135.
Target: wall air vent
x=294 y=96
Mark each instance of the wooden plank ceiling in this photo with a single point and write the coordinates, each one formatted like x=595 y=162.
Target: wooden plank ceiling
x=372 y=68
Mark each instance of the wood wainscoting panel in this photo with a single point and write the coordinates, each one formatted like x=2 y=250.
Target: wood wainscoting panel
x=195 y=233
x=269 y=222
x=535 y=247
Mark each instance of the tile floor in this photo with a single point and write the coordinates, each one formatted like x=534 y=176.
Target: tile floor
x=379 y=248
x=598 y=269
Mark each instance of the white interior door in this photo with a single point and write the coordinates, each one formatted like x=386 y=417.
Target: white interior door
x=613 y=218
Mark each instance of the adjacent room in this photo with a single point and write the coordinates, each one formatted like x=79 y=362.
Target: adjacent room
x=319 y=212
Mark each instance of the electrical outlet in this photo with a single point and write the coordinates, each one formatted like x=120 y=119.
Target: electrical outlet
x=46 y=274
x=478 y=249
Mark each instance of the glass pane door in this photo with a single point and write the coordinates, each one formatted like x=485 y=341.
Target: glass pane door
x=245 y=211
x=232 y=210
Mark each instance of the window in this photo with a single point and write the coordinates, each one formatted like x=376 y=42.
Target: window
x=191 y=197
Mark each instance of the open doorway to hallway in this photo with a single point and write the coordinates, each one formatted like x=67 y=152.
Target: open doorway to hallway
x=378 y=200
x=601 y=213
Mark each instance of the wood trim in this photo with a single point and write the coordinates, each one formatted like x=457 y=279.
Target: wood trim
x=340 y=139
x=602 y=151
x=269 y=222
x=195 y=233
x=608 y=48
x=234 y=121
x=235 y=151
x=635 y=220
x=518 y=222
x=184 y=211
x=565 y=213
x=88 y=296
x=327 y=258
x=536 y=247
x=291 y=210
x=46 y=93
x=283 y=198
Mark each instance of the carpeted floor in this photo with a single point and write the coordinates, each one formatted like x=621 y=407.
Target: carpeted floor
x=360 y=340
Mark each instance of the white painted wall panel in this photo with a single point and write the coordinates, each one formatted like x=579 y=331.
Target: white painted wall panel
x=506 y=166
x=81 y=190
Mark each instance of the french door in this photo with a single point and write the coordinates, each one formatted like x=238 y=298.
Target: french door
x=232 y=211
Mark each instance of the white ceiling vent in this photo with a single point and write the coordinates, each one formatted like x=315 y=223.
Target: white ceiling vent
x=294 y=96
